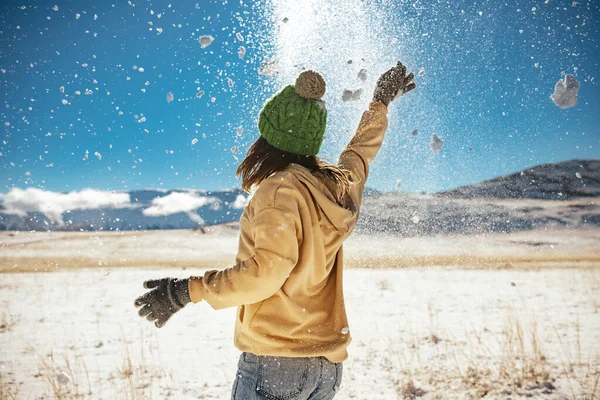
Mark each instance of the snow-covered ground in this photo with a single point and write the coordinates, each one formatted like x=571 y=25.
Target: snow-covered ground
x=458 y=333
x=455 y=316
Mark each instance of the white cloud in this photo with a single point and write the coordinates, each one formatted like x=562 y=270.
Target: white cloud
x=241 y=201
x=178 y=202
x=54 y=204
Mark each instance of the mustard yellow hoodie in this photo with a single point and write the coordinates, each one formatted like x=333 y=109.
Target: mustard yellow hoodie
x=287 y=281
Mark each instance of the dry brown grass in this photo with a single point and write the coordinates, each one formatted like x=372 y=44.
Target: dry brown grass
x=7 y=320
x=9 y=390
x=515 y=365
x=69 y=365
x=135 y=379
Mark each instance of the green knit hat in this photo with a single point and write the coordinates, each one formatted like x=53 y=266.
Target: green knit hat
x=294 y=119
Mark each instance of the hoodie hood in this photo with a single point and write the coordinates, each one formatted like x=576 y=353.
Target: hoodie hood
x=338 y=218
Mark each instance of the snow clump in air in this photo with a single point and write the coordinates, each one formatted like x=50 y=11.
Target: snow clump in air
x=170 y=97
x=269 y=67
x=362 y=75
x=565 y=92
x=436 y=143
x=241 y=52
x=62 y=377
x=206 y=41
x=348 y=95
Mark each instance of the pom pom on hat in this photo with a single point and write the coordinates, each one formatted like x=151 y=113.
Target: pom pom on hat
x=310 y=85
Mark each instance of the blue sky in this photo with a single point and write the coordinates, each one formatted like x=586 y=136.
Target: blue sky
x=489 y=69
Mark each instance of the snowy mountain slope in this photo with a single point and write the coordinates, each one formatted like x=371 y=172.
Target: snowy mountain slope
x=407 y=214
x=560 y=181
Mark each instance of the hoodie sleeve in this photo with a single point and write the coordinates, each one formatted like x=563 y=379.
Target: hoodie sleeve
x=363 y=148
x=275 y=231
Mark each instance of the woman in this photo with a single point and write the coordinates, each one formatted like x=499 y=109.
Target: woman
x=287 y=282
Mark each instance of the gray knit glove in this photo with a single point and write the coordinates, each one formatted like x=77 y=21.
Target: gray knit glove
x=168 y=295
x=393 y=83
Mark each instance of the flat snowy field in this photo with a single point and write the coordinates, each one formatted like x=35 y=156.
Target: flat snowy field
x=425 y=332
x=216 y=248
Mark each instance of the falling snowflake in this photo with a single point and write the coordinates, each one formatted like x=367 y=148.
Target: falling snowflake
x=241 y=52
x=398 y=184
x=198 y=95
x=239 y=37
x=421 y=72
x=285 y=20
x=578 y=175
x=239 y=131
x=62 y=89
x=143 y=119
x=415 y=132
x=55 y=8
x=229 y=82
x=415 y=219
x=194 y=141
x=98 y=155
x=170 y=97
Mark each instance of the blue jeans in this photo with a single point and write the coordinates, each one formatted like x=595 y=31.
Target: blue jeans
x=286 y=378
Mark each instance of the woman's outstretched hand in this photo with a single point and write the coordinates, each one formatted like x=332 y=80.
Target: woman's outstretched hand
x=166 y=297
x=393 y=83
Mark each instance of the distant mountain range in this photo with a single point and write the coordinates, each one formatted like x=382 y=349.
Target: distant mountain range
x=566 y=180
x=521 y=201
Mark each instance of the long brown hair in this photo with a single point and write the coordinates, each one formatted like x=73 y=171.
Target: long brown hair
x=263 y=160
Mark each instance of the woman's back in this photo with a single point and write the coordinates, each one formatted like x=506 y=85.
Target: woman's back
x=288 y=278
